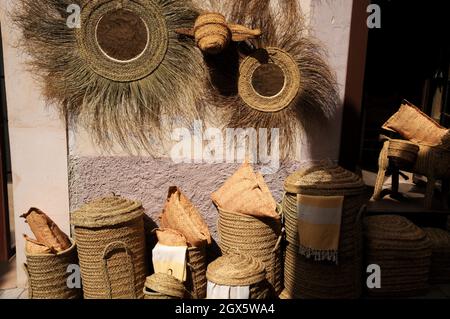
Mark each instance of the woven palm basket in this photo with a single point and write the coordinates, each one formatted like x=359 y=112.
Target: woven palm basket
x=403 y=153
x=237 y=270
x=403 y=252
x=306 y=278
x=111 y=246
x=440 y=258
x=196 y=272
x=47 y=275
x=163 y=286
x=259 y=238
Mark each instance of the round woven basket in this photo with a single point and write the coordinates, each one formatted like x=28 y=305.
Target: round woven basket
x=403 y=152
x=240 y=270
x=306 y=278
x=111 y=248
x=259 y=238
x=163 y=286
x=196 y=272
x=403 y=252
x=47 y=275
x=440 y=258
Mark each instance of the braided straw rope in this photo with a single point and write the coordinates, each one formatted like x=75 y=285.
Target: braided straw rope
x=306 y=278
x=240 y=270
x=163 y=286
x=134 y=69
x=291 y=87
x=255 y=237
x=403 y=252
x=196 y=279
x=111 y=249
x=440 y=258
x=211 y=32
x=47 y=275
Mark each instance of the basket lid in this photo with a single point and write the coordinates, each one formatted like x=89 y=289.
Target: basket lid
x=107 y=211
x=164 y=284
x=236 y=270
x=324 y=179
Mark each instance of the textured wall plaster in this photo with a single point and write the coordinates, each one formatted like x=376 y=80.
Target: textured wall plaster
x=148 y=180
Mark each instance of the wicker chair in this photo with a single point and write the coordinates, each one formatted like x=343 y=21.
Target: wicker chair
x=430 y=161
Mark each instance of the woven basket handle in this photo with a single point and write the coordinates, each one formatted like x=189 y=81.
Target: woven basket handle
x=30 y=290
x=109 y=249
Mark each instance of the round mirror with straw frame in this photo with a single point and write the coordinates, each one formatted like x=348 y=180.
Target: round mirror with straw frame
x=122 y=72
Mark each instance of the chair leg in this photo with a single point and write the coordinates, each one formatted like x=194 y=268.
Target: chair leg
x=431 y=184
x=383 y=164
x=395 y=181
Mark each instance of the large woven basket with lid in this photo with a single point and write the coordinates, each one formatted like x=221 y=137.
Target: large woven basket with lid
x=237 y=270
x=307 y=278
x=163 y=286
x=257 y=237
x=111 y=246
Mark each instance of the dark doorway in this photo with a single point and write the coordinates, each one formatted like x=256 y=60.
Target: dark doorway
x=407 y=58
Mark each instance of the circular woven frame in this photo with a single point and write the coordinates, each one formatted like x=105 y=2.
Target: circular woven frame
x=123 y=71
x=47 y=275
x=285 y=97
x=163 y=286
x=255 y=237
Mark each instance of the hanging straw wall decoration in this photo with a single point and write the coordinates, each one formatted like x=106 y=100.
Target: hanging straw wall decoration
x=278 y=80
x=122 y=71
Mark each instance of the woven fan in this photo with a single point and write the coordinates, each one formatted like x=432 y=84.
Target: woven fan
x=122 y=71
x=280 y=80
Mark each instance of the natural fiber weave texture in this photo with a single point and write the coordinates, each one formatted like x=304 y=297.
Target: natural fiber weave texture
x=240 y=270
x=196 y=267
x=403 y=151
x=124 y=102
x=309 y=278
x=47 y=275
x=112 y=256
x=309 y=99
x=259 y=238
x=163 y=286
x=403 y=252
x=440 y=258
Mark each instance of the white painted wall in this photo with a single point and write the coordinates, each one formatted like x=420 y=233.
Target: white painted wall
x=38 y=144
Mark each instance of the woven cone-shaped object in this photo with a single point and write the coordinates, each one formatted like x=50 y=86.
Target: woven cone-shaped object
x=259 y=238
x=111 y=246
x=196 y=272
x=403 y=252
x=122 y=71
x=47 y=275
x=240 y=270
x=163 y=286
x=307 y=278
x=440 y=258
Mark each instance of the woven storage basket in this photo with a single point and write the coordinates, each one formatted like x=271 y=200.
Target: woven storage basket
x=403 y=252
x=440 y=258
x=163 y=286
x=47 y=275
x=240 y=270
x=403 y=153
x=111 y=248
x=259 y=238
x=196 y=272
x=307 y=278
